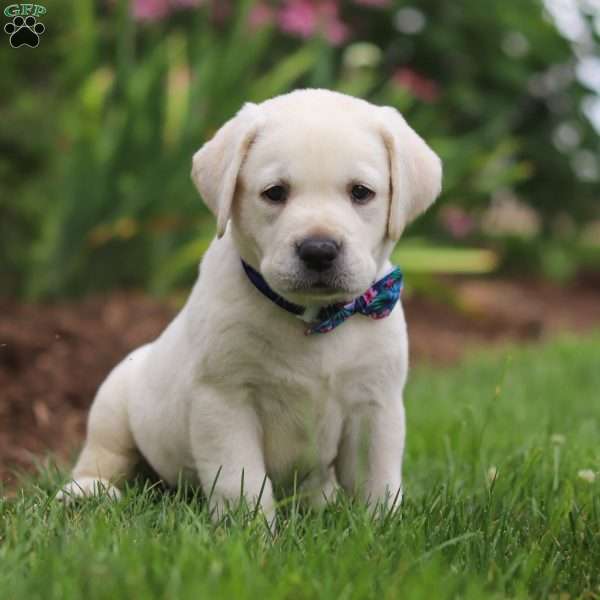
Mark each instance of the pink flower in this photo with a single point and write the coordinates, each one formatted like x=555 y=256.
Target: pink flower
x=150 y=10
x=156 y=10
x=298 y=17
x=419 y=86
x=261 y=14
x=336 y=32
x=456 y=221
x=304 y=18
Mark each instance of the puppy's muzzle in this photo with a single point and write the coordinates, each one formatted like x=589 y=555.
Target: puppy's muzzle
x=317 y=253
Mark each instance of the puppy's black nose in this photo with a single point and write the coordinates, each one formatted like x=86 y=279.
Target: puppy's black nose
x=318 y=253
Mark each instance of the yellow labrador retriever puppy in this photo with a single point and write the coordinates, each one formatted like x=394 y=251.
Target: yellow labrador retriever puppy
x=281 y=361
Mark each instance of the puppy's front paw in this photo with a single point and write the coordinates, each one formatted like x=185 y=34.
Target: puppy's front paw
x=85 y=487
x=320 y=489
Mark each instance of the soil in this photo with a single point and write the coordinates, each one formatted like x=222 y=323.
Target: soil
x=53 y=357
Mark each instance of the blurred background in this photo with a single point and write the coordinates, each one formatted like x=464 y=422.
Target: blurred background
x=101 y=229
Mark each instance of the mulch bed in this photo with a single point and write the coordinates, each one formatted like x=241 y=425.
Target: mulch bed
x=53 y=357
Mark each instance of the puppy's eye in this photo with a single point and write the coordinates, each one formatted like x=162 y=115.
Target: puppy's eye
x=276 y=193
x=361 y=194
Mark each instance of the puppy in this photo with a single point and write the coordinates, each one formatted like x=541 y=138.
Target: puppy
x=281 y=362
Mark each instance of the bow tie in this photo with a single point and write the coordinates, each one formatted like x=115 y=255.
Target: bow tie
x=377 y=302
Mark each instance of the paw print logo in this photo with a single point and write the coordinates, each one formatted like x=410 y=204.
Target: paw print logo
x=24 y=32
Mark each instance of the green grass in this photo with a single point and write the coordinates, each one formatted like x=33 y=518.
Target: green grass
x=534 y=531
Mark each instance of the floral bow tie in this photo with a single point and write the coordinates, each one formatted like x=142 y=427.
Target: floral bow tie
x=377 y=302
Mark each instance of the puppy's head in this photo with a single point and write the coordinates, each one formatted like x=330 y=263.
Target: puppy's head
x=318 y=187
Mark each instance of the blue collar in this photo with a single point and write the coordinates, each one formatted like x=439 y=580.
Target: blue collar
x=262 y=286
x=377 y=302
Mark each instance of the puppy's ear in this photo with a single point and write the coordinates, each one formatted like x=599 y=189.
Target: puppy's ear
x=216 y=165
x=415 y=171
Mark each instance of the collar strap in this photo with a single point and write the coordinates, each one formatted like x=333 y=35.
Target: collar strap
x=263 y=287
x=377 y=302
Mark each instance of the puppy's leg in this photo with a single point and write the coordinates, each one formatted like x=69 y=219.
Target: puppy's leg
x=320 y=487
x=109 y=454
x=226 y=439
x=369 y=462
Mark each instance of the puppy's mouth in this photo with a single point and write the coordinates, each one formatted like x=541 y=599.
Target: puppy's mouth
x=320 y=291
x=321 y=287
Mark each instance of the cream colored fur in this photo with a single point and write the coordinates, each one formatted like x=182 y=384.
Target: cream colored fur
x=233 y=388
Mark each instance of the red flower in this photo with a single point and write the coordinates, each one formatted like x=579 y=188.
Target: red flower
x=419 y=86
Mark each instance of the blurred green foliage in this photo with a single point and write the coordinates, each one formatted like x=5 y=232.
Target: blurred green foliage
x=103 y=117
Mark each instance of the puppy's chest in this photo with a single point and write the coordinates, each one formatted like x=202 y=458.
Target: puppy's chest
x=301 y=426
x=294 y=377
x=300 y=401
x=303 y=391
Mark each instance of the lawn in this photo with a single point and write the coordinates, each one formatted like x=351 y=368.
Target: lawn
x=500 y=503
